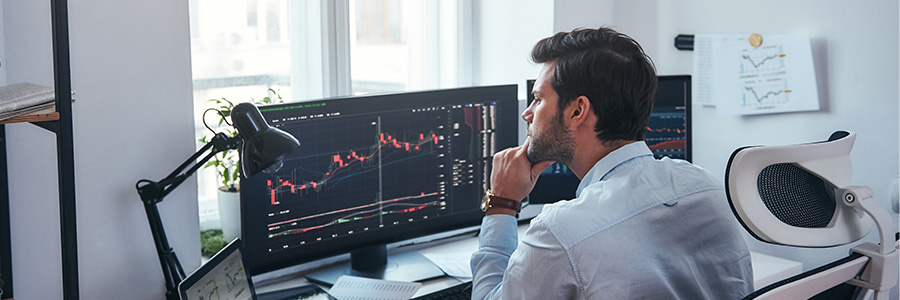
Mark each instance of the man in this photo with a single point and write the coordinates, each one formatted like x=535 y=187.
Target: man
x=639 y=228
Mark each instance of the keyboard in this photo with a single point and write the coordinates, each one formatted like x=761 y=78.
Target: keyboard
x=459 y=291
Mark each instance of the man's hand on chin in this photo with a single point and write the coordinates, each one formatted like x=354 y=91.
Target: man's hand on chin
x=512 y=175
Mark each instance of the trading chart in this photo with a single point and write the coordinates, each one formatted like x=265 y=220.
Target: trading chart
x=665 y=133
x=369 y=171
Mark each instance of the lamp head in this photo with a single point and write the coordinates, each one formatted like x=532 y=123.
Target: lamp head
x=264 y=148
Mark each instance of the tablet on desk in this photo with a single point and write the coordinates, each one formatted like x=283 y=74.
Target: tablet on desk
x=222 y=277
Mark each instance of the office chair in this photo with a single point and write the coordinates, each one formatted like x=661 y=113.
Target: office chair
x=800 y=195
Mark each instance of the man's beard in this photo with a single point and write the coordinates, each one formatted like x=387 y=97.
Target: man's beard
x=554 y=143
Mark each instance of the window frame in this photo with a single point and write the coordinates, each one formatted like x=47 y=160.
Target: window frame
x=320 y=67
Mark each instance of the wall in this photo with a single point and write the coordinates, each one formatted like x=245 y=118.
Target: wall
x=855 y=51
x=132 y=120
x=506 y=31
x=2 y=52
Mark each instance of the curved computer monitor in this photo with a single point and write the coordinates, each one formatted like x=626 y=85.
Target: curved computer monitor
x=373 y=170
x=668 y=134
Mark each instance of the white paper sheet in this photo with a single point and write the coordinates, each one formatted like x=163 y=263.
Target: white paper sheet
x=456 y=264
x=703 y=78
x=778 y=76
x=360 y=288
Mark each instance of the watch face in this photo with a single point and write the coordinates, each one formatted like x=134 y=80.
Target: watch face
x=484 y=201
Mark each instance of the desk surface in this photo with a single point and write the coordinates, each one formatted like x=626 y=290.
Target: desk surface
x=767 y=269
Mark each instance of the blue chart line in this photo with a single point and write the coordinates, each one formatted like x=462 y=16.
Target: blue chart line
x=764 y=96
x=756 y=65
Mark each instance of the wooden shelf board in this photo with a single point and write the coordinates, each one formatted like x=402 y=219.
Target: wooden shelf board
x=32 y=118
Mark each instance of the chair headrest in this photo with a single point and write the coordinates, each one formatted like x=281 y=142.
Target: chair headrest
x=787 y=194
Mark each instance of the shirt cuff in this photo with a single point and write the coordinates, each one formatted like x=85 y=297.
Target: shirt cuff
x=499 y=232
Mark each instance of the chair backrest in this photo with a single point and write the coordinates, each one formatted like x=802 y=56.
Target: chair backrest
x=800 y=195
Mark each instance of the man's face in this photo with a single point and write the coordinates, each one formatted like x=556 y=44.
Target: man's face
x=550 y=140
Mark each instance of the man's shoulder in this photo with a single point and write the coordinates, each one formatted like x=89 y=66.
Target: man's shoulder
x=616 y=199
x=572 y=221
x=686 y=178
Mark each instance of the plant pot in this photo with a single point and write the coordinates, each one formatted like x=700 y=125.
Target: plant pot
x=230 y=214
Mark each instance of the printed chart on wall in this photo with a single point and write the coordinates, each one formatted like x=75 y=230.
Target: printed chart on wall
x=774 y=77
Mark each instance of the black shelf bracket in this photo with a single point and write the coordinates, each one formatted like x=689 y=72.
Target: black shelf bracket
x=52 y=126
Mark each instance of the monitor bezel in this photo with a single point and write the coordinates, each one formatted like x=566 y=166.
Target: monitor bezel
x=686 y=79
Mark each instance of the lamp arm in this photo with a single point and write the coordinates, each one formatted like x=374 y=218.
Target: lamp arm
x=153 y=192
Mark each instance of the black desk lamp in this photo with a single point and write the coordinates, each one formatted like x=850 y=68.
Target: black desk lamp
x=262 y=148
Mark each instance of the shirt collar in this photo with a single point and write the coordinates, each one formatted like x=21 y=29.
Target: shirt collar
x=611 y=161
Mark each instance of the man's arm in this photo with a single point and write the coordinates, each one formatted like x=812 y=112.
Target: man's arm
x=496 y=242
x=539 y=268
x=512 y=177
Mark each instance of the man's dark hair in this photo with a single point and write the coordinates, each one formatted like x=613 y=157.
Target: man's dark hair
x=611 y=70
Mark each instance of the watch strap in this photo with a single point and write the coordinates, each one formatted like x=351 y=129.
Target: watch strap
x=495 y=201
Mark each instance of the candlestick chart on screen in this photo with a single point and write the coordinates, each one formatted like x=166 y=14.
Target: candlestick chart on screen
x=665 y=133
x=365 y=172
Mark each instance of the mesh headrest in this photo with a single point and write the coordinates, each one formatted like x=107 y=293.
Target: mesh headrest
x=795 y=196
x=786 y=194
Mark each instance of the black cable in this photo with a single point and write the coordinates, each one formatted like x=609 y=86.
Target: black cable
x=220 y=113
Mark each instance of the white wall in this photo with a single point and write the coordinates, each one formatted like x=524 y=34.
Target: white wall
x=2 y=52
x=855 y=51
x=569 y=15
x=506 y=31
x=132 y=120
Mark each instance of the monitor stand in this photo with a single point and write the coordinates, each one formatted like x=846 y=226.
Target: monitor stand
x=373 y=262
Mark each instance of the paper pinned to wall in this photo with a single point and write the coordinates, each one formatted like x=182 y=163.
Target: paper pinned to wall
x=740 y=79
x=703 y=79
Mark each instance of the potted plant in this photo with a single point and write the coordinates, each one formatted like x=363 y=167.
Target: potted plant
x=227 y=168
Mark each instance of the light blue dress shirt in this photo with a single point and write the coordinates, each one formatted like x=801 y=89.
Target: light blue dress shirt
x=639 y=228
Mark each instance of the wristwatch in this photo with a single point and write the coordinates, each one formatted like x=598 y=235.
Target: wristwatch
x=490 y=200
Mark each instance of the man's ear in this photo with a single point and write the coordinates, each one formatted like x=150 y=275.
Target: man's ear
x=580 y=108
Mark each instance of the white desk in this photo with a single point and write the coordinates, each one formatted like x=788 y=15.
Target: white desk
x=769 y=269
x=766 y=269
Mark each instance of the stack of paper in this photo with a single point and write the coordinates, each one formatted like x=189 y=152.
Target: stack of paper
x=359 y=288
x=25 y=99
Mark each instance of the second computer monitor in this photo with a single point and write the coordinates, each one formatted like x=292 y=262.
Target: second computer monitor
x=668 y=134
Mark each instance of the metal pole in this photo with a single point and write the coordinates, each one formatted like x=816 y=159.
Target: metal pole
x=65 y=152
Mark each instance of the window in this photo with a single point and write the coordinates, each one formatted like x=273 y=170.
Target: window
x=240 y=49
x=399 y=45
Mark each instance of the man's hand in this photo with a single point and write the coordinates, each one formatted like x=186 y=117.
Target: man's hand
x=513 y=176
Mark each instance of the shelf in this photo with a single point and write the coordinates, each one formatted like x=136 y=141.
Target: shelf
x=32 y=118
x=60 y=123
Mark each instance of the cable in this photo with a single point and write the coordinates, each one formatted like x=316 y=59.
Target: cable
x=220 y=113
